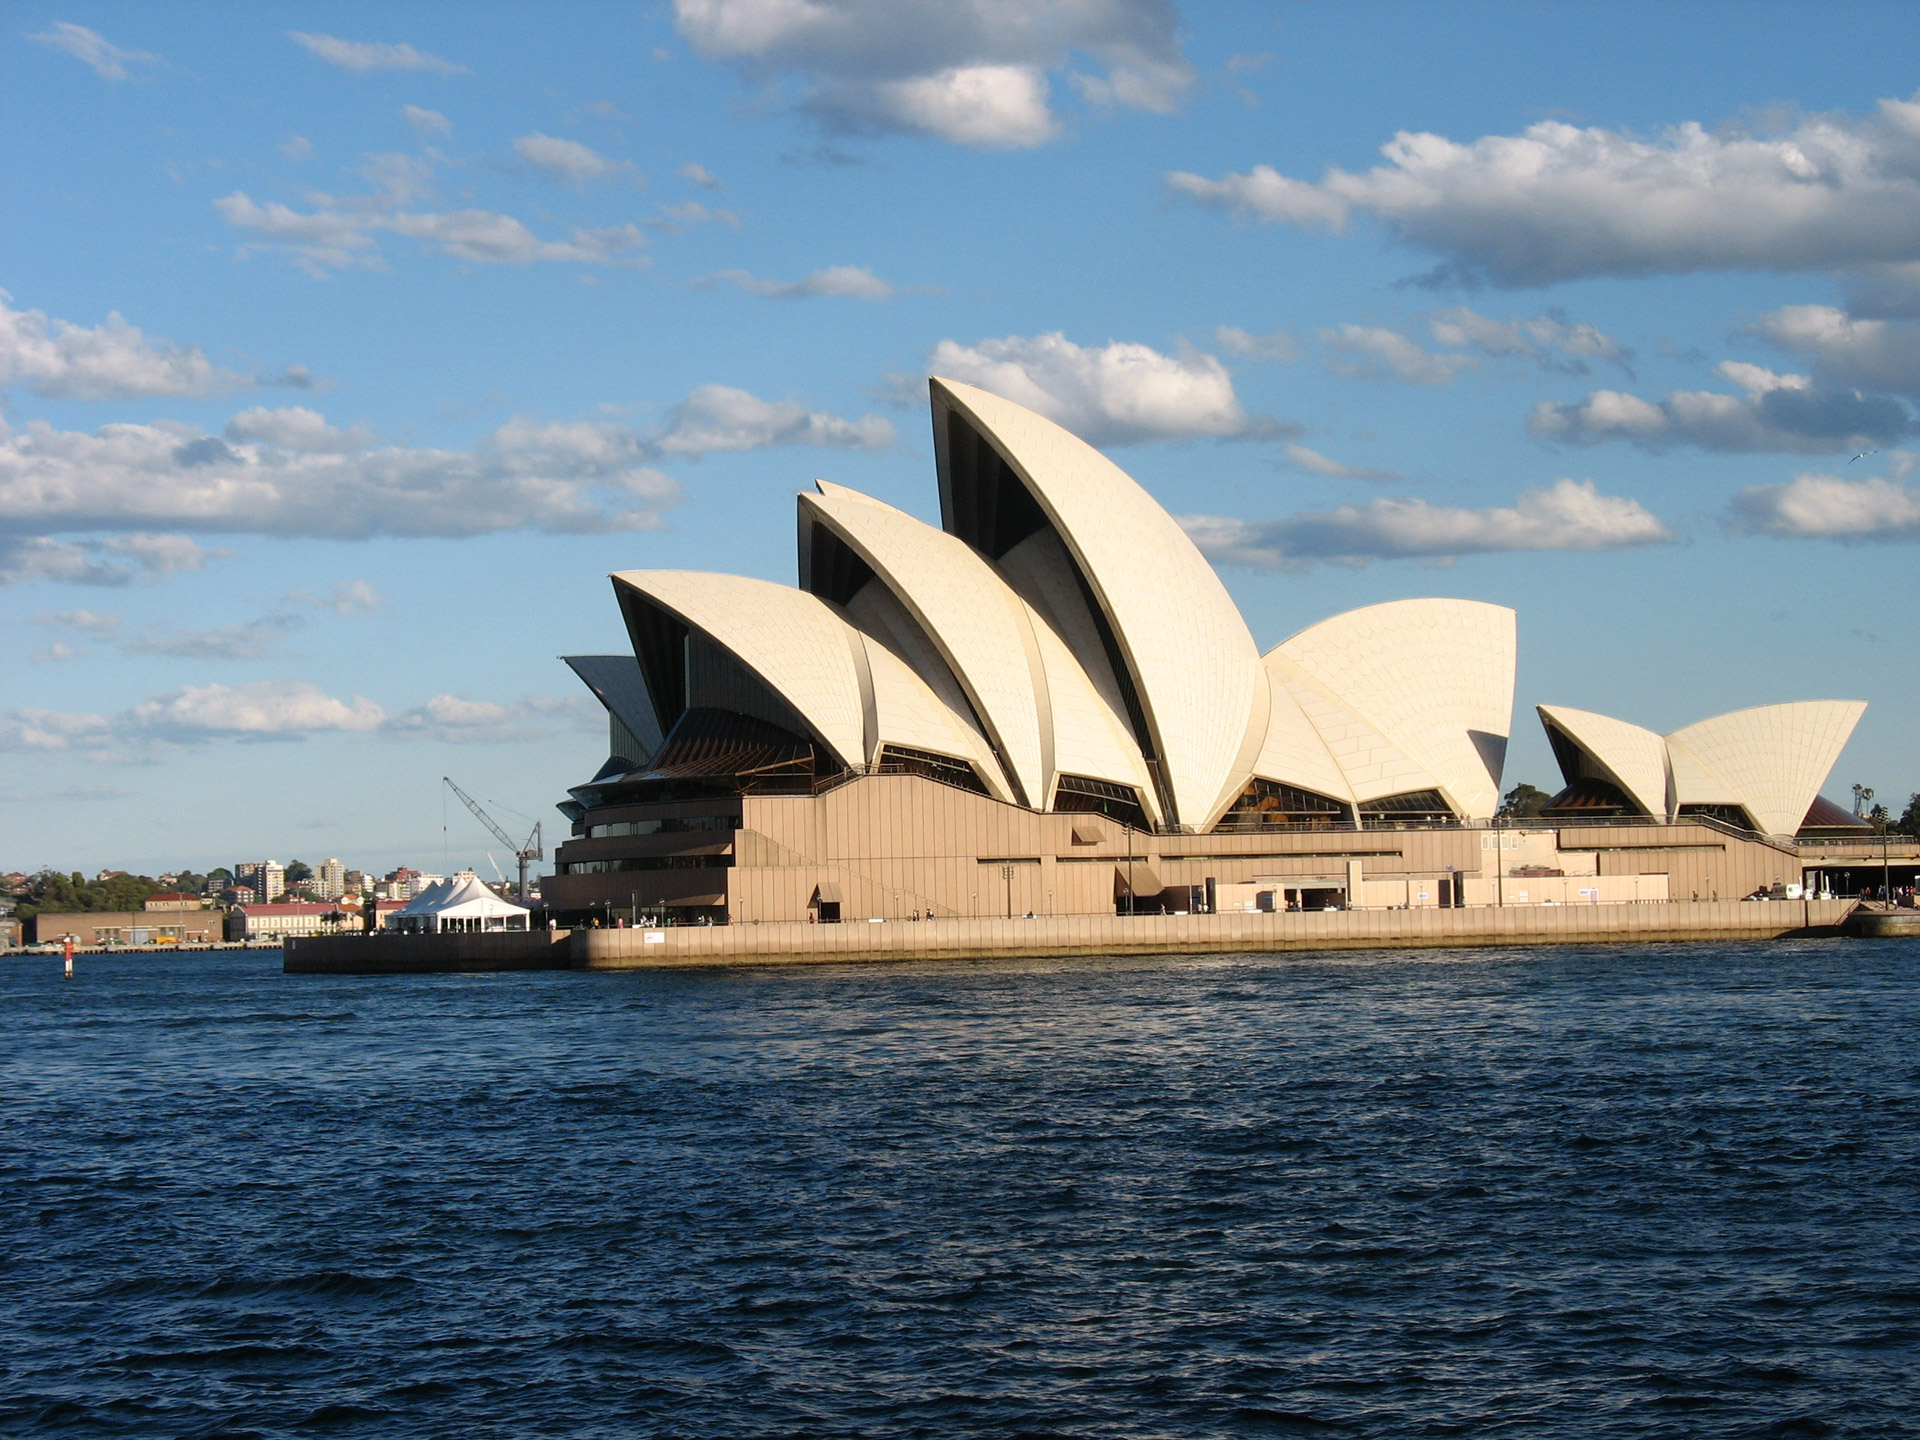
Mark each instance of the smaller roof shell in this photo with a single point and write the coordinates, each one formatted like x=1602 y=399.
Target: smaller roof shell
x=1632 y=758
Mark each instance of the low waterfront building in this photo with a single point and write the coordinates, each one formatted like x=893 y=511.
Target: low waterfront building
x=172 y=900
x=131 y=927
x=292 y=917
x=1051 y=705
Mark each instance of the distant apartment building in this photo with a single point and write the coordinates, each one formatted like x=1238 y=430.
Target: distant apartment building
x=174 y=900
x=266 y=878
x=278 y=921
x=332 y=879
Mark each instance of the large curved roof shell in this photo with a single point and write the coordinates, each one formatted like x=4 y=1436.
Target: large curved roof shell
x=1629 y=757
x=1772 y=759
x=793 y=642
x=1371 y=764
x=964 y=609
x=907 y=712
x=1293 y=752
x=1189 y=658
x=1434 y=679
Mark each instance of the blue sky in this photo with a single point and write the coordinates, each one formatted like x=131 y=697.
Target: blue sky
x=347 y=348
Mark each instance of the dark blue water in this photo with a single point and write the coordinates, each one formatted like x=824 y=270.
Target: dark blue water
x=1639 y=1192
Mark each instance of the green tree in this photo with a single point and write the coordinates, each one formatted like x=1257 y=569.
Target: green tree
x=1523 y=802
x=218 y=879
x=1909 y=823
x=52 y=892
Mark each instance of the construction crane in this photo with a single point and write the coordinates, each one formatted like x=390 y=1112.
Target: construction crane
x=523 y=853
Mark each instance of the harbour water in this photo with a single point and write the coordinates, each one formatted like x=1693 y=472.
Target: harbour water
x=1647 y=1191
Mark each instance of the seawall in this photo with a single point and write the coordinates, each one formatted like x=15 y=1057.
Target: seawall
x=426 y=954
x=1063 y=935
x=969 y=939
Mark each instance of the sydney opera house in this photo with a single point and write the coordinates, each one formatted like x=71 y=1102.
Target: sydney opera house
x=1051 y=705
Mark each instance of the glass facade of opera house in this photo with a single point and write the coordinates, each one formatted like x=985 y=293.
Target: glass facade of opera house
x=1050 y=704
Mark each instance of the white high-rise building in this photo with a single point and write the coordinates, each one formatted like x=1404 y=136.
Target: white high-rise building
x=333 y=879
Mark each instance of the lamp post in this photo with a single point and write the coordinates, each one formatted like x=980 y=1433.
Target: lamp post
x=1006 y=874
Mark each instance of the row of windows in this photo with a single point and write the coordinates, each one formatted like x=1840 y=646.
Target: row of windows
x=670 y=825
x=647 y=862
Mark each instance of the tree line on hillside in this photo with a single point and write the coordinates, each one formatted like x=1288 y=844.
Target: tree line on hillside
x=61 y=893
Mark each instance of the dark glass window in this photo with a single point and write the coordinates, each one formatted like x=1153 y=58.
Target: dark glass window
x=1079 y=794
x=1415 y=807
x=648 y=862
x=904 y=760
x=1268 y=805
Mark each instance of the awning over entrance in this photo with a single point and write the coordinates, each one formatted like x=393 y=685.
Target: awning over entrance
x=826 y=892
x=1136 y=879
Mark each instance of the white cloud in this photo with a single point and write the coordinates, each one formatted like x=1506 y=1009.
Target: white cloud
x=990 y=107
x=1386 y=354
x=569 y=159
x=1314 y=463
x=1873 y=354
x=1547 y=339
x=675 y=218
x=332 y=238
x=1827 y=507
x=1277 y=346
x=456 y=719
x=57 y=651
x=294 y=427
x=90 y=47
x=347 y=597
x=973 y=72
x=362 y=56
x=248 y=641
x=700 y=175
x=854 y=282
x=27 y=558
x=91 y=621
x=282 y=710
x=1559 y=202
x=288 y=472
x=111 y=361
x=295 y=148
x=1568 y=515
x=718 y=417
x=1117 y=394
x=1778 y=413
x=426 y=122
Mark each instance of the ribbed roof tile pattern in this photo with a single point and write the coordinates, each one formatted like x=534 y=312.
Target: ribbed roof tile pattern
x=1633 y=758
x=1775 y=758
x=1193 y=662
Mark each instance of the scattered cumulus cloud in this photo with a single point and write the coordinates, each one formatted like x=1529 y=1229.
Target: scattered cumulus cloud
x=673 y=219
x=57 y=651
x=1777 y=413
x=90 y=621
x=1123 y=393
x=1278 y=345
x=109 y=361
x=854 y=282
x=1828 y=507
x=335 y=237
x=120 y=560
x=93 y=49
x=721 y=418
x=972 y=72
x=699 y=175
x=426 y=122
x=1560 y=202
x=290 y=472
x=1371 y=353
x=1879 y=355
x=295 y=148
x=1314 y=463
x=277 y=710
x=364 y=56
x=562 y=159
x=1549 y=339
x=1567 y=515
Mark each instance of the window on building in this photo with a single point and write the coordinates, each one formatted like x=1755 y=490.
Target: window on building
x=1269 y=805
x=904 y=760
x=1080 y=794
x=1415 y=807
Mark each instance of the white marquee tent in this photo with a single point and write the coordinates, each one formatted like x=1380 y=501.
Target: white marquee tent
x=459 y=905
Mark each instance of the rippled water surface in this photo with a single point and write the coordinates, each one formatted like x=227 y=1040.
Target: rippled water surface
x=1658 y=1191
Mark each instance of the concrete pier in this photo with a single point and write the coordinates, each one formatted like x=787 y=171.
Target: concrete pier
x=794 y=943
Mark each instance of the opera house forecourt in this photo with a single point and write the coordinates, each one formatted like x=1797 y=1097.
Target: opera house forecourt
x=1050 y=706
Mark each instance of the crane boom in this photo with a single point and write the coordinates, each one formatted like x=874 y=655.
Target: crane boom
x=531 y=850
